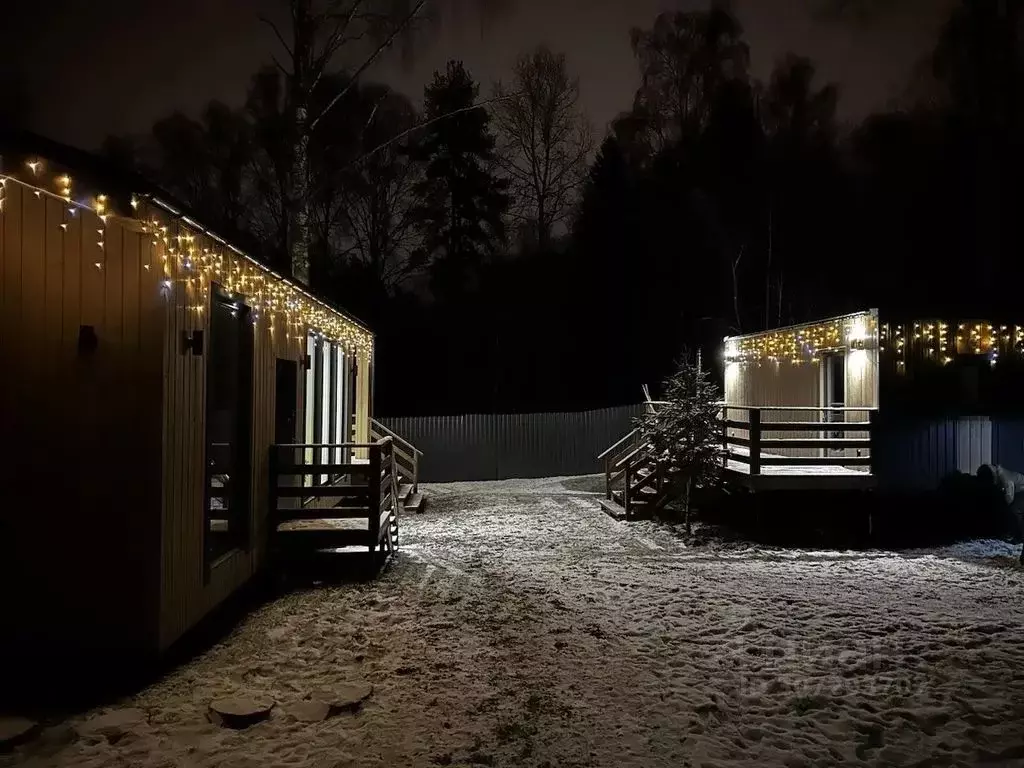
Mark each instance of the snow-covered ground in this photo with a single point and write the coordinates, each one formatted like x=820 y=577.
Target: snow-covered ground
x=521 y=626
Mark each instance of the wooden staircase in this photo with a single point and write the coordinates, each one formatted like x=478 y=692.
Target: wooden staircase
x=407 y=463
x=637 y=484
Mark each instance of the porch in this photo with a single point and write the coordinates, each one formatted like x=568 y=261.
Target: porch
x=798 y=447
x=767 y=448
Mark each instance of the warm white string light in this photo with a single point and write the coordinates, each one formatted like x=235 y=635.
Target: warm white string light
x=195 y=258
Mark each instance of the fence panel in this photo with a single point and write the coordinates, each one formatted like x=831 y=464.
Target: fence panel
x=505 y=446
x=916 y=456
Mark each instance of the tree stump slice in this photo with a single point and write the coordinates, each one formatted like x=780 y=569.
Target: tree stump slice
x=240 y=711
x=309 y=711
x=348 y=697
x=112 y=725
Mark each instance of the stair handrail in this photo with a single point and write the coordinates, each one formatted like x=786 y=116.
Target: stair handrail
x=404 y=447
x=630 y=436
x=398 y=438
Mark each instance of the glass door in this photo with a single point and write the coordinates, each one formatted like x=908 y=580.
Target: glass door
x=833 y=394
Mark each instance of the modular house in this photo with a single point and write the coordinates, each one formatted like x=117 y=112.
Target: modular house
x=872 y=400
x=148 y=366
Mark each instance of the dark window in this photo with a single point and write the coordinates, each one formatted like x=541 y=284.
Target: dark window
x=228 y=426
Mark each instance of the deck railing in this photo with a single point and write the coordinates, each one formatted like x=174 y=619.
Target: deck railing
x=407 y=455
x=757 y=451
x=358 y=489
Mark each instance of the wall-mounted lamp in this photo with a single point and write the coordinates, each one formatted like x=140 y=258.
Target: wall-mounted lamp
x=192 y=342
x=87 y=339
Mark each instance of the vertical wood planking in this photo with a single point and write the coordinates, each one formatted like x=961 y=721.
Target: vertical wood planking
x=33 y=281
x=72 y=278
x=113 y=279
x=54 y=304
x=93 y=280
x=13 y=338
x=89 y=413
x=131 y=279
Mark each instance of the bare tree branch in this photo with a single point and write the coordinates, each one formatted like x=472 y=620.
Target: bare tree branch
x=278 y=35
x=426 y=124
x=369 y=61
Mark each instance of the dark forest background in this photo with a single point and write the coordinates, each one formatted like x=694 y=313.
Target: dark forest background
x=512 y=258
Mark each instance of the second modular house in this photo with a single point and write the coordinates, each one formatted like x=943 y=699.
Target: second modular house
x=148 y=365
x=874 y=400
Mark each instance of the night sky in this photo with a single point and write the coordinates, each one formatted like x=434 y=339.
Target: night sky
x=116 y=66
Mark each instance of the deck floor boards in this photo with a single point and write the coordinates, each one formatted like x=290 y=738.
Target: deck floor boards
x=781 y=477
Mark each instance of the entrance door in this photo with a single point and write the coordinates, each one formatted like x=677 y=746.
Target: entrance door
x=833 y=393
x=228 y=426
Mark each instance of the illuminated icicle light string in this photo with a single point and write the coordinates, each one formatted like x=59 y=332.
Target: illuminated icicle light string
x=802 y=344
x=268 y=294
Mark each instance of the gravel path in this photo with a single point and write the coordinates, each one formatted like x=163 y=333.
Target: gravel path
x=521 y=626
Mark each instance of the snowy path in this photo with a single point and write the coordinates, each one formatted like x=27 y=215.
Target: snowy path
x=523 y=627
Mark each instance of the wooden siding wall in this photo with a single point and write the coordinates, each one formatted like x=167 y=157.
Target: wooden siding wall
x=862 y=377
x=800 y=383
x=80 y=478
x=774 y=383
x=361 y=429
x=186 y=595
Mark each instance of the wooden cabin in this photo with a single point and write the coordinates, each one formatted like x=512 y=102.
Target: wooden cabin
x=148 y=367
x=871 y=400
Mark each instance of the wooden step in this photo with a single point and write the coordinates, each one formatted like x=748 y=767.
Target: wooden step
x=317 y=539
x=613 y=509
x=415 y=503
x=322 y=513
x=404 y=491
x=617 y=497
x=360 y=491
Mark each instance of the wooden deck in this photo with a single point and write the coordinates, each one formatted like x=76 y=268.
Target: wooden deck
x=347 y=504
x=787 y=477
x=832 y=451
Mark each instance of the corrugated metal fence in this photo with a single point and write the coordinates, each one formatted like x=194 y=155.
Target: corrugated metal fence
x=504 y=446
x=917 y=456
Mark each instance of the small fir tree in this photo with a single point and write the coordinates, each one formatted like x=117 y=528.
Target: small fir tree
x=684 y=432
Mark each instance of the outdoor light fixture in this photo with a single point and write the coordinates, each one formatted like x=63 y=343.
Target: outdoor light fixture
x=192 y=342
x=87 y=339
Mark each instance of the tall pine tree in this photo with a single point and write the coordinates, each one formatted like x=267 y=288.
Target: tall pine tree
x=461 y=202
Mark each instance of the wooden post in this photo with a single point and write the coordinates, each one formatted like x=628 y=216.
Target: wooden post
x=725 y=437
x=373 y=477
x=608 y=478
x=415 y=470
x=755 y=441
x=272 y=479
x=873 y=438
x=625 y=489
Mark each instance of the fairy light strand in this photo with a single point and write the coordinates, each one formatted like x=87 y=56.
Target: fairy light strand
x=193 y=259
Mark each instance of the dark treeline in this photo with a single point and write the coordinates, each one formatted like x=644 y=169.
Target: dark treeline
x=509 y=260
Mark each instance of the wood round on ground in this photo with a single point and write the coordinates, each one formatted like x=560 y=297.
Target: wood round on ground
x=240 y=711
x=112 y=724
x=309 y=711
x=14 y=730
x=348 y=697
